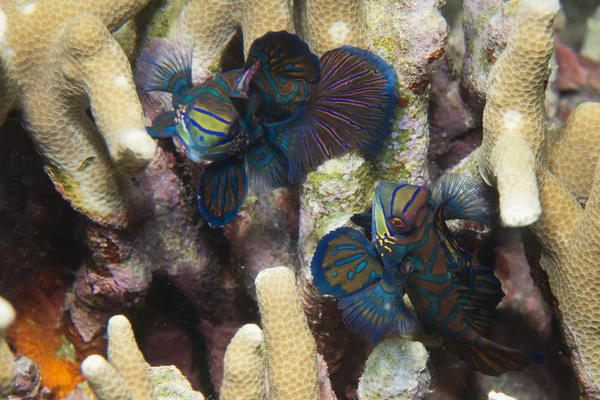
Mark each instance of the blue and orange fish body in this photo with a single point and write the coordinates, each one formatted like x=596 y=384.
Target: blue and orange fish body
x=264 y=124
x=413 y=252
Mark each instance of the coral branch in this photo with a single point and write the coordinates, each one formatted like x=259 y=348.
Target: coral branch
x=291 y=349
x=245 y=366
x=330 y=24
x=126 y=357
x=8 y=371
x=514 y=117
x=570 y=236
x=65 y=60
x=211 y=24
x=127 y=376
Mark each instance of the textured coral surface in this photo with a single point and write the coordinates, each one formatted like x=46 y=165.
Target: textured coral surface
x=65 y=61
x=291 y=348
x=211 y=24
x=8 y=373
x=514 y=117
x=245 y=365
x=571 y=239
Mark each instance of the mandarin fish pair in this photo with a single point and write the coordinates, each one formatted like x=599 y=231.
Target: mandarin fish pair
x=412 y=251
x=263 y=125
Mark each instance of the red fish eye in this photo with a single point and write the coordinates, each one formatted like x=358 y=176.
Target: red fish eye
x=397 y=222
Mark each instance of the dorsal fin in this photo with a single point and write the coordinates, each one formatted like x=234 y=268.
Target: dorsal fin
x=165 y=66
x=464 y=198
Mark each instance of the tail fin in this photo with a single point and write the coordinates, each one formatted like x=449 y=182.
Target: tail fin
x=352 y=109
x=494 y=359
x=164 y=66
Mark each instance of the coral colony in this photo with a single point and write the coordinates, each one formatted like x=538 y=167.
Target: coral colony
x=342 y=199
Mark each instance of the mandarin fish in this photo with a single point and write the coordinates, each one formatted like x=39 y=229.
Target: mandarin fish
x=263 y=125
x=411 y=251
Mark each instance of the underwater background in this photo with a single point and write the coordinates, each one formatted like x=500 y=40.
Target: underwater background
x=118 y=281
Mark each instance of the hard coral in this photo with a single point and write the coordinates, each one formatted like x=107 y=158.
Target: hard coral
x=65 y=60
x=570 y=236
x=519 y=156
x=291 y=349
x=329 y=24
x=127 y=376
x=210 y=24
x=8 y=371
x=245 y=366
x=514 y=116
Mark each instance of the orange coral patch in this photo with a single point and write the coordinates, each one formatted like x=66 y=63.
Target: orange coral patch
x=38 y=334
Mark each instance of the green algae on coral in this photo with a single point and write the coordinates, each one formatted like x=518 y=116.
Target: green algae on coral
x=395 y=370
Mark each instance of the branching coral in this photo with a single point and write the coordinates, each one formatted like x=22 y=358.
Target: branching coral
x=126 y=375
x=8 y=371
x=245 y=366
x=514 y=116
x=210 y=24
x=64 y=59
x=570 y=236
x=330 y=24
x=291 y=348
x=519 y=156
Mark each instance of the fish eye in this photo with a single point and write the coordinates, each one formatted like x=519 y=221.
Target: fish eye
x=397 y=222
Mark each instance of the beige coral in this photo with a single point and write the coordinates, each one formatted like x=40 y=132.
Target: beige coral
x=291 y=348
x=546 y=175
x=329 y=24
x=126 y=375
x=573 y=151
x=245 y=366
x=65 y=60
x=514 y=117
x=570 y=236
x=8 y=372
x=210 y=24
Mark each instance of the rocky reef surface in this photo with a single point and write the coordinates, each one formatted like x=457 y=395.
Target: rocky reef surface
x=103 y=252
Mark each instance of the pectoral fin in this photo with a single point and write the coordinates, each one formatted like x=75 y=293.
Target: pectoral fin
x=344 y=263
x=221 y=191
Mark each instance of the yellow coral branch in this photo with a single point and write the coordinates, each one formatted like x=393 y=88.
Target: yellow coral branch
x=8 y=373
x=245 y=366
x=210 y=24
x=329 y=24
x=65 y=60
x=127 y=376
x=124 y=354
x=570 y=236
x=572 y=153
x=514 y=118
x=291 y=348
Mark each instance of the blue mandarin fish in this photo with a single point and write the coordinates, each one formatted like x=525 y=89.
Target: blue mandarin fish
x=263 y=125
x=411 y=251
